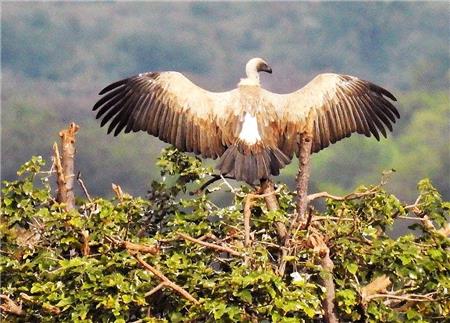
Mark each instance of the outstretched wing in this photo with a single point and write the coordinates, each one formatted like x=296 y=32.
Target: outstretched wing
x=168 y=105
x=332 y=107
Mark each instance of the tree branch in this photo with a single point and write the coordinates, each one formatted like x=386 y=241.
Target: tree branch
x=67 y=162
x=166 y=281
x=304 y=146
x=351 y=196
x=210 y=245
x=323 y=252
x=134 y=247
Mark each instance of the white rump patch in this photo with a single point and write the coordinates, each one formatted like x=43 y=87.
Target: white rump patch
x=249 y=132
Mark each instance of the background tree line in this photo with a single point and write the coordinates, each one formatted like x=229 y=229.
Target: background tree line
x=57 y=56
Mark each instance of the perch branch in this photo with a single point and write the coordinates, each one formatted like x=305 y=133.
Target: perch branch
x=304 y=146
x=210 y=245
x=166 y=281
x=9 y=306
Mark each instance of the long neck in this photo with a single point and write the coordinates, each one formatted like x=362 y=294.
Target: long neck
x=252 y=76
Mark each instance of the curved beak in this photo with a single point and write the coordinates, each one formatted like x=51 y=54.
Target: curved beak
x=267 y=68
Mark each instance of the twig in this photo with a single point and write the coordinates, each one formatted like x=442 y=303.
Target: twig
x=407 y=297
x=167 y=282
x=351 y=196
x=212 y=180
x=228 y=184
x=83 y=187
x=9 y=306
x=154 y=290
x=210 y=245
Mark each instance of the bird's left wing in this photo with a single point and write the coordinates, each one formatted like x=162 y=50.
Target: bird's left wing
x=331 y=107
x=168 y=105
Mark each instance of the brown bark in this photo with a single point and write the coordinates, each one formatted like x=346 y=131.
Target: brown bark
x=305 y=145
x=65 y=166
x=210 y=245
x=323 y=253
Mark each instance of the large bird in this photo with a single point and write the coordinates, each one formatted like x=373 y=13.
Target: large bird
x=254 y=132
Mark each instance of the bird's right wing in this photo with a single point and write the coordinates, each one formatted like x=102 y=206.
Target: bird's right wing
x=330 y=108
x=168 y=105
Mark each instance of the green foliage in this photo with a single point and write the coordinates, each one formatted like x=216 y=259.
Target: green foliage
x=45 y=265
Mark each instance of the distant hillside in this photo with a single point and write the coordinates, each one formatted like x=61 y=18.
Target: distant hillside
x=57 y=56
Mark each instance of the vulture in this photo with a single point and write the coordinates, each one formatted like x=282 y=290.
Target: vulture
x=253 y=131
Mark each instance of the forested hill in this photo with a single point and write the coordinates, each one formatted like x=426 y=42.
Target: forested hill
x=57 y=56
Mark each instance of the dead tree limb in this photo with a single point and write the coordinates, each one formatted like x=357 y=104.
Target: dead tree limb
x=65 y=166
x=61 y=194
x=166 y=282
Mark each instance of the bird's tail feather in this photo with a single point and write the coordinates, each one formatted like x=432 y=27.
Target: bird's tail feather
x=251 y=165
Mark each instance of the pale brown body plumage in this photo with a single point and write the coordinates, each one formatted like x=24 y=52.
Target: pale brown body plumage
x=169 y=106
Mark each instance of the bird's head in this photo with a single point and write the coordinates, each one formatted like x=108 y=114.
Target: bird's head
x=256 y=65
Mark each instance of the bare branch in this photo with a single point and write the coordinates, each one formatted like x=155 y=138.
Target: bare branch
x=351 y=196
x=379 y=284
x=167 y=282
x=154 y=290
x=210 y=245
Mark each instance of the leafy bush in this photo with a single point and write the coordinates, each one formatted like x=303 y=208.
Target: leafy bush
x=78 y=266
